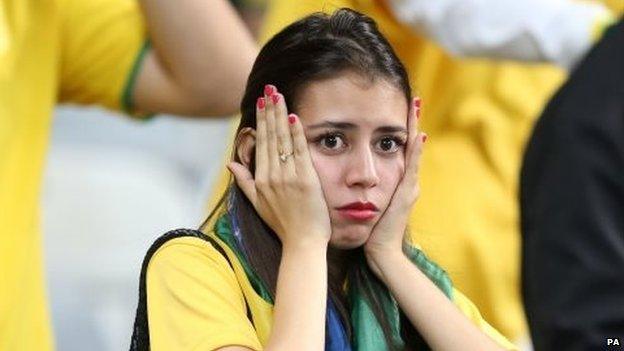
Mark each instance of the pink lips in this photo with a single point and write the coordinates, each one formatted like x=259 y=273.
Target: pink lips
x=359 y=211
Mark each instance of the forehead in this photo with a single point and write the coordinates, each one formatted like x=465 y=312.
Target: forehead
x=352 y=98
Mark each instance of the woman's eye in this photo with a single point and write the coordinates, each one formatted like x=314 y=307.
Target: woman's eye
x=389 y=144
x=332 y=142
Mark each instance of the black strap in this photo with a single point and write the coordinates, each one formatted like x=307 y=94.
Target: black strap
x=140 y=335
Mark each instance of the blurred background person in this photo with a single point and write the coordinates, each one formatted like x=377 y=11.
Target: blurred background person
x=480 y=103
x=252 y=13
x=95 y=52
x=572 y=207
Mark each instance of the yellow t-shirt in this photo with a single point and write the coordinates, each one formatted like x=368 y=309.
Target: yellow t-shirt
x=79 y=51
x=196 y=301
x=478 y=114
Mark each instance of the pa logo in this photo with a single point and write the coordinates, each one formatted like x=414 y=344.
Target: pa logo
x=613 y=342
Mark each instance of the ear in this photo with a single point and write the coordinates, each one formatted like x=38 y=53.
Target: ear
x=245 y=146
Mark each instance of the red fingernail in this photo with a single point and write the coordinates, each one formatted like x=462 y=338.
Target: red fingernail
x=261 y=103
x=417 y=102
x=275 y=98
x=269 y=90
x=292 y=118
x=424 y=138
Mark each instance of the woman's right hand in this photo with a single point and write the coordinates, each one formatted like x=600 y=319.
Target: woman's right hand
x=286 y=191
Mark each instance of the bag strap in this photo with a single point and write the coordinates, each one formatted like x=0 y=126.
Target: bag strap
x=140 y=334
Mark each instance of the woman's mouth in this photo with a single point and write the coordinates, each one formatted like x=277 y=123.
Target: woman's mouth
x=358 y=211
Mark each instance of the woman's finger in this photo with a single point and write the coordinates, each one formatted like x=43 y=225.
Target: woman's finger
x=412 y=121
x=415 y=110
x=412 y=130
x=410 y=179
x=300 y=146
x=262 y=156
x=245 y=180
x=414 y=161
x=273 y=159
x=414 y=145
x=284 y=138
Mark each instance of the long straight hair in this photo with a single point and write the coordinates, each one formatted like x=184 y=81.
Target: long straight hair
x=317 y=47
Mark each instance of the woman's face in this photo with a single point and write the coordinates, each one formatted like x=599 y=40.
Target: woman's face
x=356 y=131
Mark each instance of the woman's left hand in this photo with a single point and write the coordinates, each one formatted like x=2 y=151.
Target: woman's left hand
x=387 y=235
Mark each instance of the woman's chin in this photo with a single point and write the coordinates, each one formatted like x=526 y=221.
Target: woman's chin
x=349 y=239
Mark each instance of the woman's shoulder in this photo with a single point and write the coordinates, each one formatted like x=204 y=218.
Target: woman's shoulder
x=193 y=294
x=187 y=245
x=189 y=252
x=192 y=269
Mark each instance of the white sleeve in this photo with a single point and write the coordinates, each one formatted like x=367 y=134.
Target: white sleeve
x=558 y=31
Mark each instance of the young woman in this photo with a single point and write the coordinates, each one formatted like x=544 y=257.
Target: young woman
x=309 y=250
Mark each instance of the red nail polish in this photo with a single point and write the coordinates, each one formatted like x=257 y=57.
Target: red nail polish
x=261 y=103
x=424 y=138
x=275 y=98
x=269 y=90
x=292 y=118
x=417 y=103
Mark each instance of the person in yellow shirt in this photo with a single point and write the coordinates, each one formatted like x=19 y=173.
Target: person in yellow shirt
x=308 y=251
x=94 y=52
x=479 y=112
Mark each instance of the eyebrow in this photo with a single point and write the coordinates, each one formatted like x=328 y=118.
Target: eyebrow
x=351 y=126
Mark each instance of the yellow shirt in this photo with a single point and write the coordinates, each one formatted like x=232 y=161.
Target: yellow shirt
x=195 y=301
x=79 y=51
x=478 y=115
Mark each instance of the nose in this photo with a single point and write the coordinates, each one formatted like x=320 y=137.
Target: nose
x=361 y=169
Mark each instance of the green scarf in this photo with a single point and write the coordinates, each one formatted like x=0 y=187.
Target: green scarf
x=367 y=332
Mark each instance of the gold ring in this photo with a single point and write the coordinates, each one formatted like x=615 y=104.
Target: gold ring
x=284 y=157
